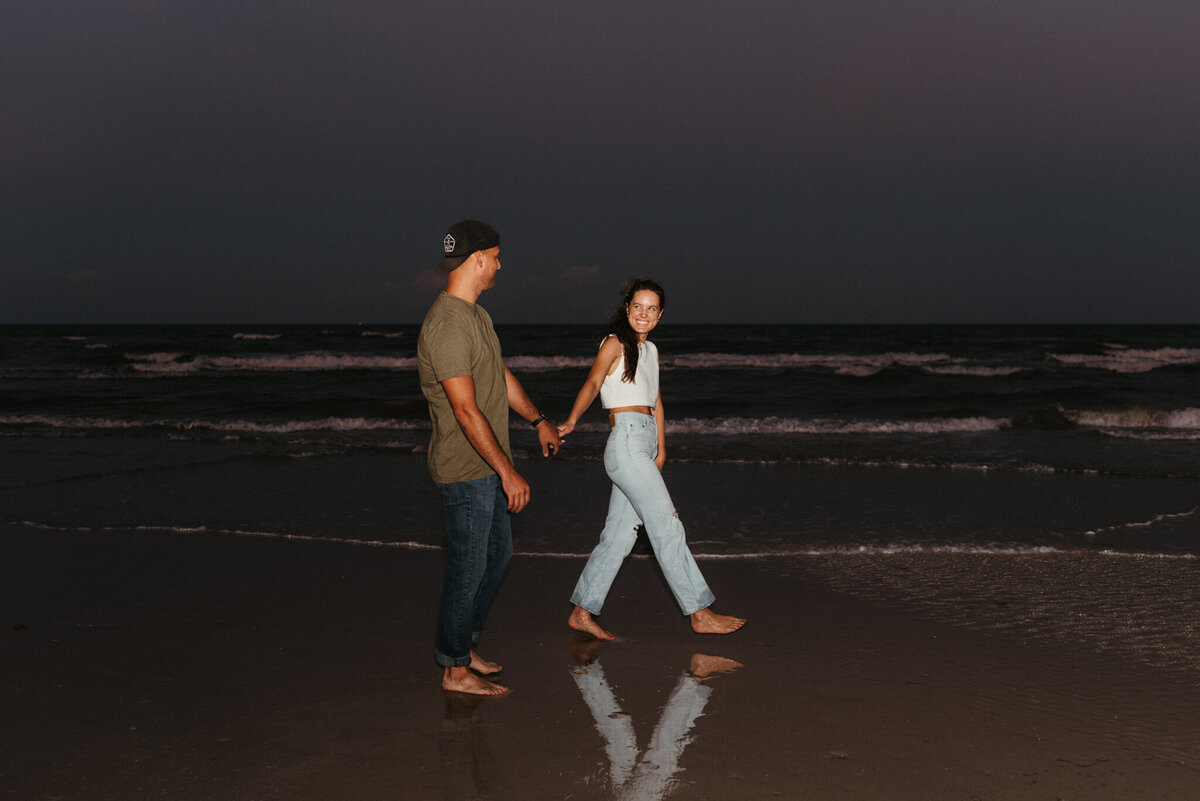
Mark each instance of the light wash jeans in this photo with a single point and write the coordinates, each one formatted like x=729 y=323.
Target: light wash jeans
x=639 y=497
x=653 y=774
x=478 y=549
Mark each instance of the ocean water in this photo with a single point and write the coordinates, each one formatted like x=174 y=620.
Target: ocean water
x=781 y=439
x=1039 y=486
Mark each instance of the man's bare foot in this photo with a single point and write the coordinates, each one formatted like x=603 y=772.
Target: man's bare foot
x=484 y=667
x=462 y=680
x=581 y=620
x=706 y=621
x=704 y=665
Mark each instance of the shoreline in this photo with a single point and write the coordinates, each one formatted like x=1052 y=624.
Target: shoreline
x=204 y=666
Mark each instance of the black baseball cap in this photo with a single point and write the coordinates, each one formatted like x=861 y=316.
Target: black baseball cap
x=464 y=238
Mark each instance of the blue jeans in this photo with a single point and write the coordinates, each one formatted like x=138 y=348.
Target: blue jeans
x=639 y=497
x=478 y=547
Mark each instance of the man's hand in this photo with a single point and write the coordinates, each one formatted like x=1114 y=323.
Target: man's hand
x=516 y=489
x=548 y=436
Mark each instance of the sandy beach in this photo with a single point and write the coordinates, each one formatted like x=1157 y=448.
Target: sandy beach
x=139 y=665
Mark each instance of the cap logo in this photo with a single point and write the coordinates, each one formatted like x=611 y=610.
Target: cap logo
x=448 y=244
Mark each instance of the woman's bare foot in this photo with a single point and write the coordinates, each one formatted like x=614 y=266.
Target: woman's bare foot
x=706 y=621
x=462 y=680
x=484 y=667
x=704 y=665
x=581 y=620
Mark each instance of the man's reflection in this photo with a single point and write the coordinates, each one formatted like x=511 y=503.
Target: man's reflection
x=650 y=776
x=468 y=769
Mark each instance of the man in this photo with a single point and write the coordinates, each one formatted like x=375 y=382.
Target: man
x=470 y=392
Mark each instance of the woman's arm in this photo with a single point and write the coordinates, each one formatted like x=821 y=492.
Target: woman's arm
x=660 y=422
x=606 y=361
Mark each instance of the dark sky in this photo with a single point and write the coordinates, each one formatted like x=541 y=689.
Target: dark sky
x=829 y=161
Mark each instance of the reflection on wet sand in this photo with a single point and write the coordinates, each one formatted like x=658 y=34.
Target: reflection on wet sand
x=468 y=769
x=650 y=776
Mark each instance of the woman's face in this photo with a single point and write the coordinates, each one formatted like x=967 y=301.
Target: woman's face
x=643 y=312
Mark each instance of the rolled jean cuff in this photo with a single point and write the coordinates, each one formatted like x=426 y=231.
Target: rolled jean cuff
x=451 y=661
x=703 y=605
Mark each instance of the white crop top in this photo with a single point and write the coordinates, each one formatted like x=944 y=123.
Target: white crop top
x=615 y=393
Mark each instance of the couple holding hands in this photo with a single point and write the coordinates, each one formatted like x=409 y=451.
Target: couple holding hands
x=470 y=392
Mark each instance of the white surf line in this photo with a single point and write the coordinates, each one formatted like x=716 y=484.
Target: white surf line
x=1144 y=523
x=229 y=532
x=407 y=545
x=1163 y=556
x=850 y=550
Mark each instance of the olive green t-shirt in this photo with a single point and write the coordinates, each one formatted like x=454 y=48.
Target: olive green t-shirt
x=458 y=339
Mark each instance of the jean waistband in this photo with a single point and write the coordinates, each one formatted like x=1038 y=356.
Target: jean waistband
x=612 y=416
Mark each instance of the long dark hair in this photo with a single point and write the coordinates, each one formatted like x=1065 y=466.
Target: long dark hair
x=618 y=324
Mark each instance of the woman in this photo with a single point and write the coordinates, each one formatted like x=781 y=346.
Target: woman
x=625 y=376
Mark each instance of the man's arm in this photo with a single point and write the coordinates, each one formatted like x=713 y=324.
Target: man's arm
x=520 y=403
x=461 y=393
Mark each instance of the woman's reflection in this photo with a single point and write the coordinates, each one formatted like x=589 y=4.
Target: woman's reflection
x=648 y=775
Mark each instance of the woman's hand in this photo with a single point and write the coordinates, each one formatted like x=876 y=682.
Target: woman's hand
x=565 y=428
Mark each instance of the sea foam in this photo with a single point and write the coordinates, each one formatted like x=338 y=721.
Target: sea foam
x=175 y=364
x=1130 y=360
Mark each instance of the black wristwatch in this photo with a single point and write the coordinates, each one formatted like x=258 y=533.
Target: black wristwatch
x=539 y=420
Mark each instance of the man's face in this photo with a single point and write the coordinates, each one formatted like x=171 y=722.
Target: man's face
x=490 y=263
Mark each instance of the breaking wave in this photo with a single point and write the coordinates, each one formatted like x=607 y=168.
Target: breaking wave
x=1130 y=360
x=176 y=364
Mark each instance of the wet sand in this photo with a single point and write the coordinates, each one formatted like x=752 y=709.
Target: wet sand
x=151 y=665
